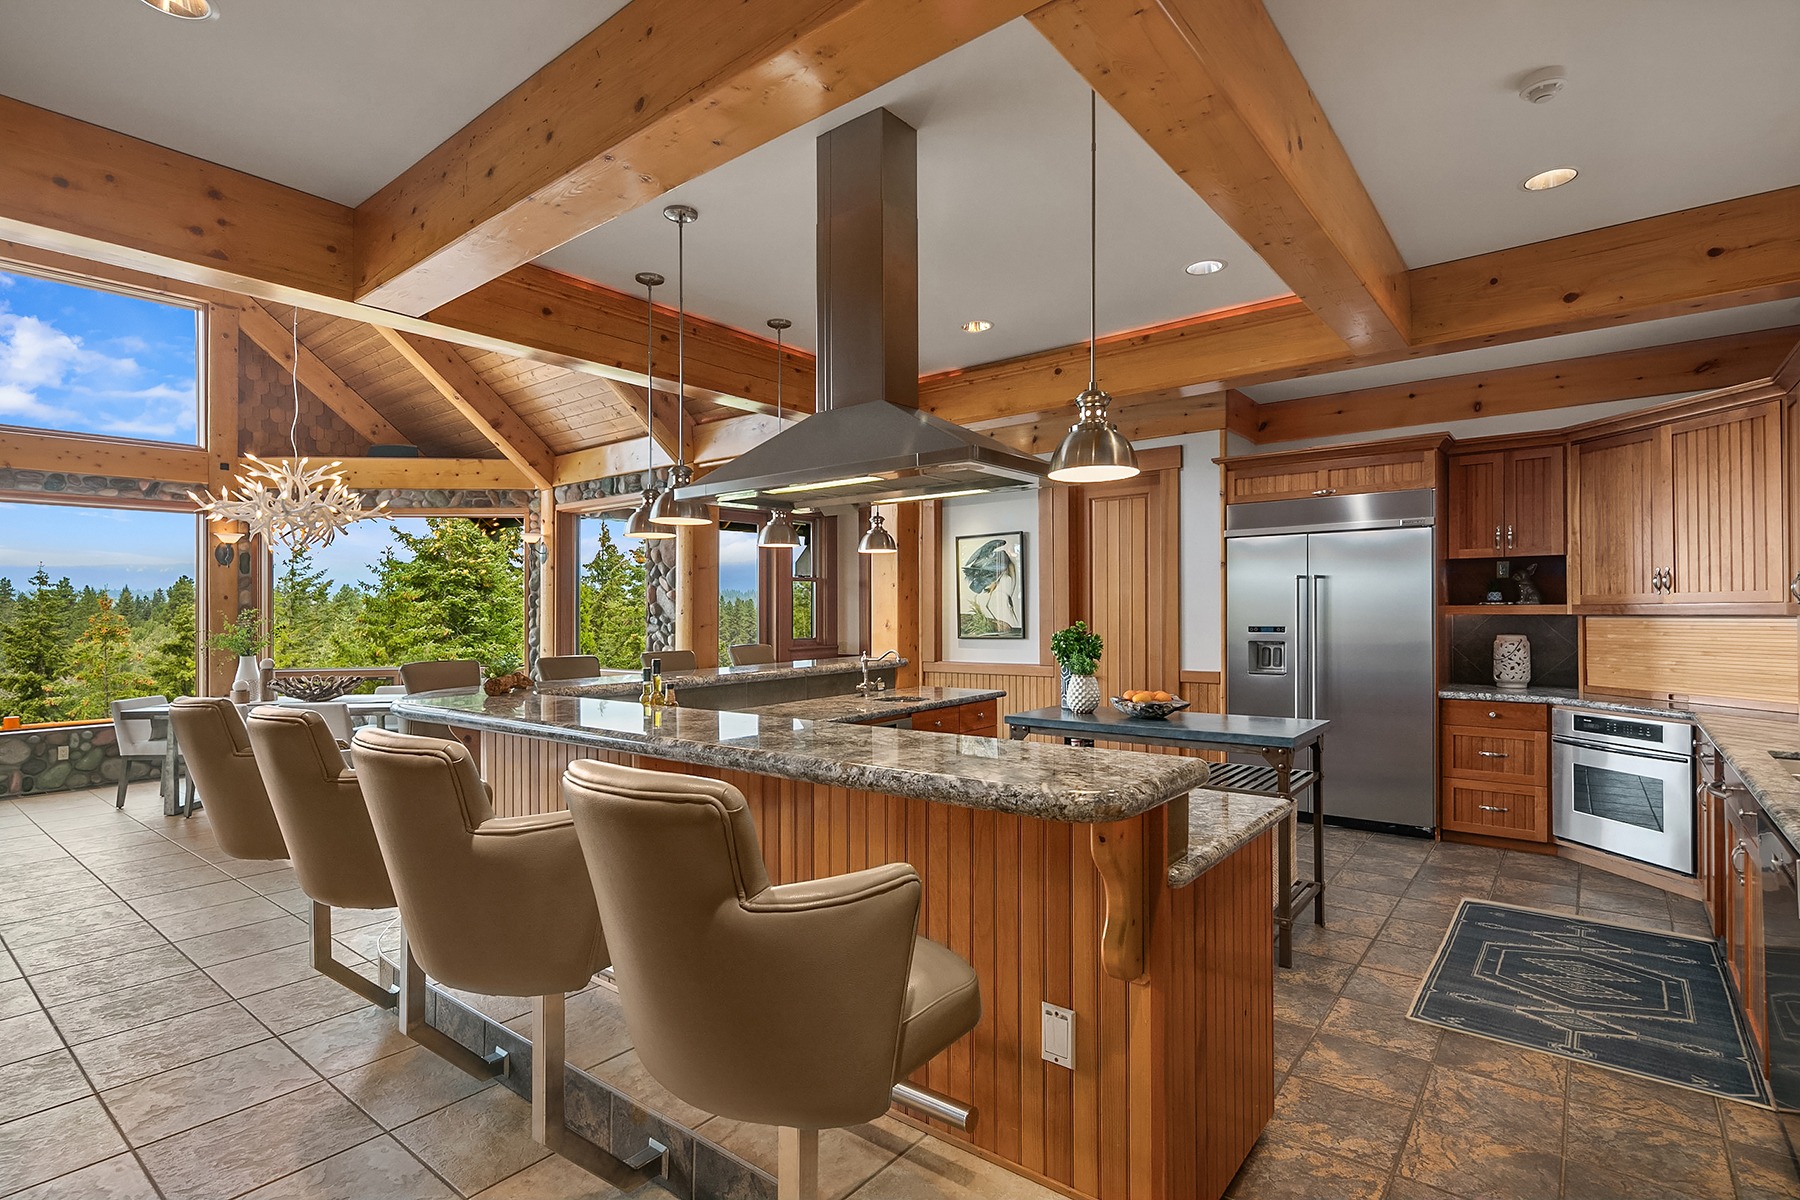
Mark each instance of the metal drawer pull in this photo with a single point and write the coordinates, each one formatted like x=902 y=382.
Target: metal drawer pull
x=1496 y=537
x=1736 y=850
x=1492 y=808
x=1493 y=716
x=1491 y=754
x=1325 y=492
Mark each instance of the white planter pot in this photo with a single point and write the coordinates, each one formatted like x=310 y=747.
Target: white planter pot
x=249 y=675
x=1512 y=662
x=1081 y=694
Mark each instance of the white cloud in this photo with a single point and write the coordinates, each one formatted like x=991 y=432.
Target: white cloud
x=49 y=377
x=737 y=552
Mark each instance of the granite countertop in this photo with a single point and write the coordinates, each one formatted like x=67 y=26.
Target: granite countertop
x=628 y=683
x=883 y=706
x=1212 y=729
x=1745 y=742
x=1057 y=783
x=1568 y=698
x=1219 y=824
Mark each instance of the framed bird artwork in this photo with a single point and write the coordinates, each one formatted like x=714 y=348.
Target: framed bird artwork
x=990 y=586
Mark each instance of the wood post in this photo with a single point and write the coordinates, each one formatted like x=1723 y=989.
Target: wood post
x=217 y=585
x=894 y=592
x=697 y=592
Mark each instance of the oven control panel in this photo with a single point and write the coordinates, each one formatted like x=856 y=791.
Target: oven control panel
x=1637 y=731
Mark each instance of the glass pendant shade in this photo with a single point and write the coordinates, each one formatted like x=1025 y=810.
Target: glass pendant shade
x=1093 y=451
x=639 y=525
x=878 y=540
x=669 y=511
x=778 y=533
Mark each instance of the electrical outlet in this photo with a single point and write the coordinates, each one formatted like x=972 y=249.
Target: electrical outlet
x=1059 y=1036
x=62 y=754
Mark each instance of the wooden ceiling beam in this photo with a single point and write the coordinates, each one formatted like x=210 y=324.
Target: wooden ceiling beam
x=1212 y=88
x=670 y=437
x=713 y=442
x=663 y=92
x=1169 y=416
x=457 y=382
x=316 y=376
x=381 y=474
x=1622 y=375
x=89 y=454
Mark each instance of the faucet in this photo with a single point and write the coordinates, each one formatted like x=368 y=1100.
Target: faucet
x=866 y=687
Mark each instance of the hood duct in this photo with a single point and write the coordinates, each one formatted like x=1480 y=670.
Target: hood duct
x=868 y=442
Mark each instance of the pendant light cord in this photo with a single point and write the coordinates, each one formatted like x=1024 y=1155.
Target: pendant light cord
x=778 y=377
x=1093 y=235
x=681 y=343
x=650 y=377
x=294 y=429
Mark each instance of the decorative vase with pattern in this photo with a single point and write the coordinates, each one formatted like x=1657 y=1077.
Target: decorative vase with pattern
x=1512 y=662
x=1081 y=695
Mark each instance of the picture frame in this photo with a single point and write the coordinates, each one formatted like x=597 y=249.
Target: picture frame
x=992 y=586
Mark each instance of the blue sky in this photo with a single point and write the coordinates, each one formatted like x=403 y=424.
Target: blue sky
x=90 y=361
x=106 y=548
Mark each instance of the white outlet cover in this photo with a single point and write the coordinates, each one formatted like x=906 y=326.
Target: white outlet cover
x=1059 y=1036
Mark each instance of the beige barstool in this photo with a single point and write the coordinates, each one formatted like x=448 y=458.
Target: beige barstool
x=567 y=666
x=496 y=905
x=672 y=660
x=437 y=675
x=751 y=654
x=222 y=766
x=800 y=1006
x=320 y=809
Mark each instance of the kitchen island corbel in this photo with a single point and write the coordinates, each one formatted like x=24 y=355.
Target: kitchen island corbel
x=1105 y=883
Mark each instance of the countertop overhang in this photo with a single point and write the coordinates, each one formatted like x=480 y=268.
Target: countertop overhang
x=1051 y=782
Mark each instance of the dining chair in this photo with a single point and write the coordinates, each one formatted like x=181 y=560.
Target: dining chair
x=136 y=740
x=438 y=675
x=804 y=1005
x=567 y=666
x=751 y=654
x=672 y=660
x=222 y=764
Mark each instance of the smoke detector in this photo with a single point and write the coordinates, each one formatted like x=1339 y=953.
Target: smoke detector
x=1543 y=85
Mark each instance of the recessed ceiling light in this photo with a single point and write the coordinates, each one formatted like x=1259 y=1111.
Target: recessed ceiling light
x=186 y=10
x=1206 y=266
x=977 y=326
x=1553 y=178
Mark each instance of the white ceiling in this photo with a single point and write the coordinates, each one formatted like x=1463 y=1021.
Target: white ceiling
x=1772 y=315
x=333 y=97
x=1003 y=218
x=1670 y=104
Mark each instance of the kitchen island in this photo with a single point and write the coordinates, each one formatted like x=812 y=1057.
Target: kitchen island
x=1108 y=883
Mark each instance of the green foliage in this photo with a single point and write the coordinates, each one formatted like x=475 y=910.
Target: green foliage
x=241 y=637
x=102 y=667
x=171 y=642
x=612 y=611
x=1077 y=648
x=34 y=647
x=737 y=622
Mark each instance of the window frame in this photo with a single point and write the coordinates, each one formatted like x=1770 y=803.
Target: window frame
x=777 y=580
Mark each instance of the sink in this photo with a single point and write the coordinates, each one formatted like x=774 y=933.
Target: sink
x=883 y=698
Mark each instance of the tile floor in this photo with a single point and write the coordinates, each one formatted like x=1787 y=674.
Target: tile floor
x=162 y=1035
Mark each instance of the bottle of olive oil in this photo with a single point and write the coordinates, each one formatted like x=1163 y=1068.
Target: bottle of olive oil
x=647 y=697
x=656 y=683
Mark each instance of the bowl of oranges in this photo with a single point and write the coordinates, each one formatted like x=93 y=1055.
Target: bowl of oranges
x=1151 y=705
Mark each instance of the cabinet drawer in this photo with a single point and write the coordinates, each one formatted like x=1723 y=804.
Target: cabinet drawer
x=1497 y=810
x=1497 y=754
x=981 y=718
x=938 y=720
x=1481 y=714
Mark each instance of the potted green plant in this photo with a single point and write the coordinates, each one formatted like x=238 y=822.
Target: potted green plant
x=243 y=637
x=1077 y=650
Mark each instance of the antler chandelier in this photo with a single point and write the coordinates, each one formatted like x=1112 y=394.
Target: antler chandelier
x=289 y=502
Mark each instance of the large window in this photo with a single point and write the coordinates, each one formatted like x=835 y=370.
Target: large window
x=88 y=360
x=96 y=604
x=610 y=611
x=739 y=585
x=402 y=589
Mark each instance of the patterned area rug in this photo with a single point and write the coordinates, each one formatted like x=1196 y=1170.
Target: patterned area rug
x=1645 y=1003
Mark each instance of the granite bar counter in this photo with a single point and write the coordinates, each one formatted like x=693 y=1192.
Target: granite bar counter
x=1568 y=698
x=1107 y=882
x=1747 y=741
x=748 y=686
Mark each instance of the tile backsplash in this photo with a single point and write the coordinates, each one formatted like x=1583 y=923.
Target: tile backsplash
x=1555 y=647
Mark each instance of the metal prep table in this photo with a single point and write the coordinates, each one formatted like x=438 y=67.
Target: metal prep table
x=1275 y=739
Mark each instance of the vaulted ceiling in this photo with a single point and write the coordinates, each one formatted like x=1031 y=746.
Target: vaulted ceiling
x=1366 y=154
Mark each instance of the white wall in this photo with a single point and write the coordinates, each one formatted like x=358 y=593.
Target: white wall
x=1202 y=516
x=968 y=516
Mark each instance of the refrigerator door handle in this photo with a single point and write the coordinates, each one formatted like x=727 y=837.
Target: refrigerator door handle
x=1302 y=626
x=1312 y=647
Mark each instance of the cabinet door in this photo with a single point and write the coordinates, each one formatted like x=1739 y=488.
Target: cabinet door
x=1495 y=809
x=1485 y=754
x=1534 y=501
x=1477 y=506
x=1378 y=473
x=1273 y=483
x=1730 y=538
x=1621 y=526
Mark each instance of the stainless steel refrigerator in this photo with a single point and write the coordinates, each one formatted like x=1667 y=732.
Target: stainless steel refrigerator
x=1329 y=613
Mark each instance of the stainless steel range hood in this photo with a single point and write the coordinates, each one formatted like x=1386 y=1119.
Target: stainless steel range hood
x=868 y=441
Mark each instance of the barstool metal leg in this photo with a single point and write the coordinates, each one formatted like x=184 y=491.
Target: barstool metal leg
x=549 y=1079
x=411 y=1014
x=319 y=922
x=797 y=1164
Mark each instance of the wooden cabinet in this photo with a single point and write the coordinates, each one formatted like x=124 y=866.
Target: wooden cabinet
x=1402 y=465
x=978 y=719
x=1710 y=836
x=1744 y=949
x=1506 y=502
x=1686 y=512
x=1495 y=763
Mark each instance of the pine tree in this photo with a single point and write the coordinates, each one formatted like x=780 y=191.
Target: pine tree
x=102 y=667
x=737 y=622
x=612 y=613
x=32 y=646
x=303 y=613
x=459 y=595
x=172 y=658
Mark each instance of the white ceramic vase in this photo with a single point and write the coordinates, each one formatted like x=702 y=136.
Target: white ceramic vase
x=1081 y=695
x=1512 y=662
x=249 y=674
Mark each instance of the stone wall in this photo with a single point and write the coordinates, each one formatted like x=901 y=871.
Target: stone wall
x=30 y=761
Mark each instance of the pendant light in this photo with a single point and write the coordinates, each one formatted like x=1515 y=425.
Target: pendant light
x=639 y=525
x=668 y=510
x=778 y=533
x=878 y=540
x=1093 y=451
